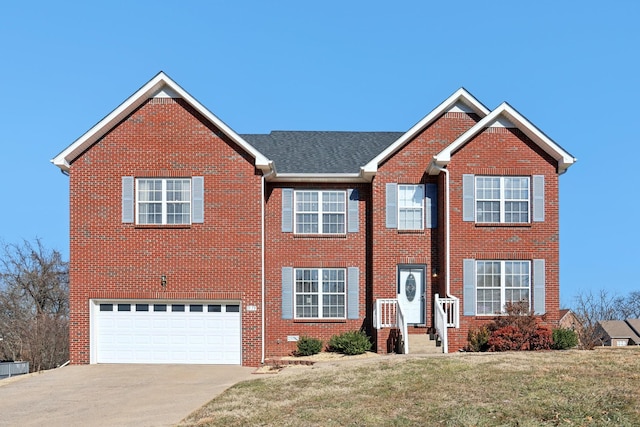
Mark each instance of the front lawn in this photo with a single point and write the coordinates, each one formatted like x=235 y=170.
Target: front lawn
x=552 y=388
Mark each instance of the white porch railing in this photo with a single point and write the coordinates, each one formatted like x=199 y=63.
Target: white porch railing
x=440 y=323
x=385 y=313
x=450 y=306
x=388 y=314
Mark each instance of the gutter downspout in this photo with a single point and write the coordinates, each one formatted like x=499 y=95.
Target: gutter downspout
x=447 y=231
x=262 y=261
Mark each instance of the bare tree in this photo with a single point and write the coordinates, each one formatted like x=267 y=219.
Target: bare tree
x=629 y=307
x=590 y=309
x=34 y=305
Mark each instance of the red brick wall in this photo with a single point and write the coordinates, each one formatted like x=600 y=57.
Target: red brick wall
x=298 y=251
x=392 y=247
x=500 y=151
x=219 y=259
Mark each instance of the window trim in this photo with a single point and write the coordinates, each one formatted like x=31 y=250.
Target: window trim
x=503 y=285
x=502 y=200
x=320 y=294
x=401 y=207
x=163 y=202
x=320 y=212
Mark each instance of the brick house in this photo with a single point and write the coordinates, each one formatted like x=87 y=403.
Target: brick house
x=191 y=243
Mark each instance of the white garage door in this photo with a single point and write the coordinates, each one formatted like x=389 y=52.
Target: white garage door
x=171 y=332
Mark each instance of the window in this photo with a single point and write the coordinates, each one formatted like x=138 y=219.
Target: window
x=177 y=308
x=500 y=282
x=195 y=308
x=621 y=343
x=163 y=201
x=320 y=212
x=502 y=199
x=142 y=307
x=106 y=307
x=124 y=307
x=410 y=207
x=320 y=293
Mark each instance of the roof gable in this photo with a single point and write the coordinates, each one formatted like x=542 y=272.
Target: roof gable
x=161 y=86
x=506 y=116
x=460 y=101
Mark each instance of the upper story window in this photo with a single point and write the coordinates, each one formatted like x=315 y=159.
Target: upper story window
x=410 y=206
x=163 y=201
x=502 y=199
x=320 y=212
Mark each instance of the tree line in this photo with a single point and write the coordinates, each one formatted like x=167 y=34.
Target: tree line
x=34 y=305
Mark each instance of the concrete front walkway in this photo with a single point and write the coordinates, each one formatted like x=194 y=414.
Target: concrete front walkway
x=113 y=395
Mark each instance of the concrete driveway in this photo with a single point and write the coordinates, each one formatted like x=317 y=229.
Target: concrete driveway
x=113 y=395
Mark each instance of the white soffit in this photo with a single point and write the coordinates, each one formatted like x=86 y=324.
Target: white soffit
x=460 y=101
x=161 y=86
x=506 y=116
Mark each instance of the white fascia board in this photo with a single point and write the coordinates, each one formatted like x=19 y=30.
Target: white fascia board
x=461 y=95
x=156 y=84
x=318 y=177
x=563 y=158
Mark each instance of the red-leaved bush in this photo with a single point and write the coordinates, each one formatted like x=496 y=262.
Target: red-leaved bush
x=542 y=339
x=507 y=338
x=518 y=330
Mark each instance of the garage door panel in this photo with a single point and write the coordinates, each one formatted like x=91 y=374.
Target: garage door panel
x=190 y=336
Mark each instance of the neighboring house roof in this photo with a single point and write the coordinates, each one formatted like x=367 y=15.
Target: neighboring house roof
x=321 y=152
x=616 y=329
x=635 y=325
x=163 y=87
x=506 y=116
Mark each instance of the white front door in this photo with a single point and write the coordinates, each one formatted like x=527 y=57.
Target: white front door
x=411 y=294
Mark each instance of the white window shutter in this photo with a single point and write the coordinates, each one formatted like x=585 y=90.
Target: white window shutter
x=127 y=199
x=468 y=197
x=287 y=210
x=392 y=205
x=538 y=198
x=353 y=211
x=197 y=199
x=287 y=292
x=353 y=293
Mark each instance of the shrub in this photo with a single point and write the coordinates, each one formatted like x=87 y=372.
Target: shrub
x=507 y=338
x=564 y=338
x=350 y=343
x=308 y=346
x=478 y=339
x=541 y=339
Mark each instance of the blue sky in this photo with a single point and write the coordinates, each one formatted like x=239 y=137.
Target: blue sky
x=571 y=68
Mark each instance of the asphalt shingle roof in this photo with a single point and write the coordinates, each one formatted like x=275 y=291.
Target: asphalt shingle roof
x=619 y=329
x=321 y=151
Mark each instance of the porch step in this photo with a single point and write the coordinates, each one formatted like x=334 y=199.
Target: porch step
x=423 y=344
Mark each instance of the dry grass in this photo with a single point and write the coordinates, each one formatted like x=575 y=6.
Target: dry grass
x=571 y=388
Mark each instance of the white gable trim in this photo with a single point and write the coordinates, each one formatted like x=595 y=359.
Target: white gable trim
x=159 y=86
x=499 y=117
x=460 y=101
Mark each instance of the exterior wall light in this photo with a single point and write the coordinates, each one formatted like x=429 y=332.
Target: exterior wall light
x=163 y=281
